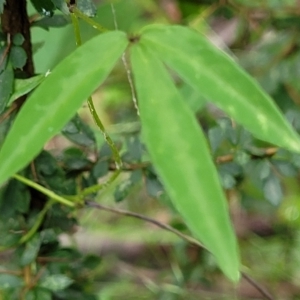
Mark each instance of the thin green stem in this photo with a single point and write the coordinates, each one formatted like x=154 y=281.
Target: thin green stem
x=107 y=138
x=76 y=29
x=91 y=105
x=45 y=191
x=37 y=223
x=97 y=187
x=88 y=20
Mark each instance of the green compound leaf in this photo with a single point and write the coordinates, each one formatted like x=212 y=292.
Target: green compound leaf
x=57 y=99
x=180 y=154
x=220 y=80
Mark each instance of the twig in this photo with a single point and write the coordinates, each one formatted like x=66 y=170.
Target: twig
x=185 y=237
x=230 y=157
x=147 y=219
x=260 y=288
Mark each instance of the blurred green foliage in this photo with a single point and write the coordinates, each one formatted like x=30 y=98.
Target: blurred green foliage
x=262 y=182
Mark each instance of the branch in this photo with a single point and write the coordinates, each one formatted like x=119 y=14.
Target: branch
x=185 y=237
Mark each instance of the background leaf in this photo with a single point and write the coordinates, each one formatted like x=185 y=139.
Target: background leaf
x=62 y=93
x=17 y=57
x=24 y=86
x=219 y=79
x=87 y=7
x=2 y=2
x=56 y=282
x=180 y=154
x=6 y=82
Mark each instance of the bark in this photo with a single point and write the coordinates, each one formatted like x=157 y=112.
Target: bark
x=15 y=20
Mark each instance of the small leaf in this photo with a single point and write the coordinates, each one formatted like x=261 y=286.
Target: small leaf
x=154 y=187
x=100 y=169
x=38 y=294
x=54 y=21
x=44 y=7
x=78 y=132
x=18 y=39
x=18 y=57
x=75 y=159
x=272 y=190
x=216 y=137
x=3 y=56
x=24 y=86
x=181 y=157
x=123 y=190
x=87 y=7
x=56 y=282
x=2 y=2
x=31 y=250
x=19 y=199
x=220 y=80
x=8 y=281
x=63 y=92
x=62 y=6
x=6 y=83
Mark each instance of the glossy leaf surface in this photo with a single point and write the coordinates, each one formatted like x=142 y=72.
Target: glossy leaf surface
x=218 y=78
x=180 y=154
x=57 y=99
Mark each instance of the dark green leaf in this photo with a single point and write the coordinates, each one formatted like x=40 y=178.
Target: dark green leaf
x=79 y=132
x=228 y=131
x=216 y=137
x=105 y=152
x=54 y=21
x=63 y=92
x=100 y=169
x=48 y=236
x=31 y=250
x=52 y=174
x=272 y=190
x=3 y=56
x=227 y=180
x=123 y=190
x=75 y=159
x=180 y=154
x=18 y=57
x=8 y=281
x=18 y=39
x=44 y=7
x=134 y=150
x=220 y=80
x=62 y=6
x=92 y=261
x=2 y=2
x=38 y=294
x=4 y=128
x=15 y=198
x=87 y=7
x=241 y=157
x=7 y=84
x=154 y=187
x=11 y=230
x=56 y=282
x=285 y=168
